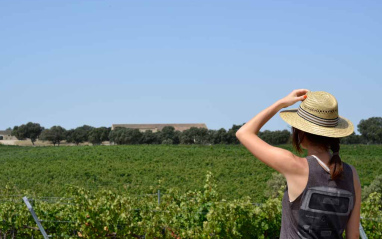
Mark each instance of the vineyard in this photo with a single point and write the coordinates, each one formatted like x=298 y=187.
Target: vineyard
x=111 y=192
x=195 y=214
x=137 y=169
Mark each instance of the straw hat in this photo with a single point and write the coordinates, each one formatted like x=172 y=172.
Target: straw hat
x=318 y=114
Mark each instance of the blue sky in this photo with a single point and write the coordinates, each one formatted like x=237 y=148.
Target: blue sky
x=79 y=62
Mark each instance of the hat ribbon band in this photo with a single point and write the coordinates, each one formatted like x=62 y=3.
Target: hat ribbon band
x=317 y=120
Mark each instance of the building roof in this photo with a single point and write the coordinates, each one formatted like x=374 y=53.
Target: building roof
x=5 y=132
x=180 y=127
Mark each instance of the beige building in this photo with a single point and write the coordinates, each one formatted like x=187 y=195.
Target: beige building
x=158 y=127
x=6 y=135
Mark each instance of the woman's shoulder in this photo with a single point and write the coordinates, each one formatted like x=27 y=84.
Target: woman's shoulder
x=301 y=162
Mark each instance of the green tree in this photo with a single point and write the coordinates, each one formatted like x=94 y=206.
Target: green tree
x=77 y=136
x=220 y=136
x=98 y=135
x=87 y=129
x=187 y=137
x=231 y=134
x=31 y=131
x=19 y=132
x=117 y=135
x=275 y=137
x=177 y=135
x=55 y=135
x=371 y=130
x=203 y=136
x=195 y=135
x=167 y=141
x=353 y=139
x=148 y=137
x=168 y=132
x=134 y=136
x=125 y=136
x=210 y=137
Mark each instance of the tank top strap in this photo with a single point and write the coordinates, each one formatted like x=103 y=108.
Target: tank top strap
x=317 y=173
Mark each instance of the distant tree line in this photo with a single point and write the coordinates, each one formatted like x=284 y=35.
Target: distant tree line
x=56 y=134
x=168 y=135
x=370 y=129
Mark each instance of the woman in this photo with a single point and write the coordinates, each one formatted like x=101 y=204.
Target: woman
x=323 y=195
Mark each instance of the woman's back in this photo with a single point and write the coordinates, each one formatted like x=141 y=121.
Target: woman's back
x=326 y=207
x=323 y=209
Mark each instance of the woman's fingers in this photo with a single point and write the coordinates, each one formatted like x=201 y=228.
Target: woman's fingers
x=300 y=92
x=295 y=96
x=302 y=97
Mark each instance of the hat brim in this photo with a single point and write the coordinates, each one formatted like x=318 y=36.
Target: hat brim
x=344 y=128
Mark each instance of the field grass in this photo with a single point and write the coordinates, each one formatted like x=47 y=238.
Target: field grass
x=138 y=169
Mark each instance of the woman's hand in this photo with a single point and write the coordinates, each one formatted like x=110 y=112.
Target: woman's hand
x=293 y=97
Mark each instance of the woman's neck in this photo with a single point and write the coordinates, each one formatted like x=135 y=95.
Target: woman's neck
x=323 y=155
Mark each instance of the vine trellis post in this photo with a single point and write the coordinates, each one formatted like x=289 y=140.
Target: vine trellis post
x=30 y=208
x=362 y=232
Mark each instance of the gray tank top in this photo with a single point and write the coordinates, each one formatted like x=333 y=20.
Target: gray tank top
x=323 y=209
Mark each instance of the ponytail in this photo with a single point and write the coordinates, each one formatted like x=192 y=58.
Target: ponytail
x=336 y=167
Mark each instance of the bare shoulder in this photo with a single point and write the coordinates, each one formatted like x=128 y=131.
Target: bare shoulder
x=301 y=161
x=300 y=164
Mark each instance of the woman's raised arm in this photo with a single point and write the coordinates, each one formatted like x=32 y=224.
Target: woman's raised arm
x=279 y=159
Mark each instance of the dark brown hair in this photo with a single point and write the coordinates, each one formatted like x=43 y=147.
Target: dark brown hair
x=325 y=143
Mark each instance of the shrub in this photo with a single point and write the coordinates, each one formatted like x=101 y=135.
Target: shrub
x=375 y=186
x=275 y=184
x=371 y=212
